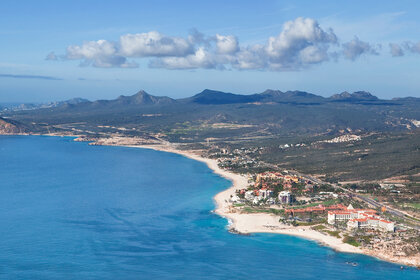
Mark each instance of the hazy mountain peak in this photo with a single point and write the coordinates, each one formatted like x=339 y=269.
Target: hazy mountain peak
x=76 y=100
x=408 y=98
x=141 y=93
x=355 y=96
x=143 y=98
x=209 y=96
x=272 y=92
x=212 y=92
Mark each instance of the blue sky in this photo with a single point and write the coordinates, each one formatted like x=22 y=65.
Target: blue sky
x=97 y=49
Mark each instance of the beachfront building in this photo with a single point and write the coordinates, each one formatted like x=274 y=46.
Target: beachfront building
x=386 y=225
x=341 y=215
x=285 y=197
x=360 y=219
x=349 y=213
x=370 y=223
x=265 y=193
x=249 y=195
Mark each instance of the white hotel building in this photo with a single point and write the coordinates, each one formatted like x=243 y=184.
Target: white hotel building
x=360 y=218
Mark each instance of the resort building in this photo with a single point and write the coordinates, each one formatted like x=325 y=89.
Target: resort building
x=360 y=218
x=371 y=223
x=340 y=215
x=284 y=197
x=249 y=195
x=265 y=193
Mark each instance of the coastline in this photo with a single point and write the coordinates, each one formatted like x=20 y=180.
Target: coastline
x=263 y=222
x=242 y=223
x=252 y=223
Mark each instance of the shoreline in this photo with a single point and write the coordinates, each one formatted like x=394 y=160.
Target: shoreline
x=252 y=223
x=245 y=224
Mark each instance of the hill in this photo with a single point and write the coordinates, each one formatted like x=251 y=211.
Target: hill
x=12 y=127
x=208 y=96
x=265 y=120
x=265 y=114
x=357 y=96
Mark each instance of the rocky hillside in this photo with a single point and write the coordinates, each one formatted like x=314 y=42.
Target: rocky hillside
x=11 y=127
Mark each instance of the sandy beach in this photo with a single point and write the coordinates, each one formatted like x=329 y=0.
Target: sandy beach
x=244 y=223
x=258 y=222
x=263 y=222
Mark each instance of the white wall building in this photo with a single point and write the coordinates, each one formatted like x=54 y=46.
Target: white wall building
x=249 y=195
x=360 y=218
x=371 y=222
x=265 y=193
x=284 y=197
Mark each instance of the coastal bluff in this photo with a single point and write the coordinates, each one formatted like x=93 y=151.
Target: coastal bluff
x=11 y=127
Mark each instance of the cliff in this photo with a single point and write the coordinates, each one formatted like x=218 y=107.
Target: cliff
x=11 y=127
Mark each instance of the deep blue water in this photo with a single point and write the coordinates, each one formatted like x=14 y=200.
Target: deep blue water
x=73 y=211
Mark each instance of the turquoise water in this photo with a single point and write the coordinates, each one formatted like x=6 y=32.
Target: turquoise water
x=73 y=211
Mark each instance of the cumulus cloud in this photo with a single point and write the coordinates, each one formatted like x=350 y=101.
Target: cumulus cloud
x=200 y=59
x=251 y=57
x=226 y=44
x=99 y=53
x=355 y=48
x=300 y=43
x=396 y=50
x=154 y=44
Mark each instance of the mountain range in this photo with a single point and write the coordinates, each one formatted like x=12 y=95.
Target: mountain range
x=34 y=106
x=271 y=112
x=213 y=97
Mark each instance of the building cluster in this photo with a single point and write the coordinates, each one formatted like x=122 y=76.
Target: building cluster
x=343 y=138
x=264 y=180
x=273 y=187
x=264 y=194
x=316 y=209
x=285 y=146
x=237 y=158
x=256 y=196
x=360 y=219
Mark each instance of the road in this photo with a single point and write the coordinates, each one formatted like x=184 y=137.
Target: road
x=368 y=200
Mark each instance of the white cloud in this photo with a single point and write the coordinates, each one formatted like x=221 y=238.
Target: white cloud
x=313 y=54
x=200 y=59
x=355 y=48
x=396 y=50
x=252 y=57
x=99 y=53
x=300 y=38
x=300 y=43
x=91 y=50
x=227 y=44
x=153 y=44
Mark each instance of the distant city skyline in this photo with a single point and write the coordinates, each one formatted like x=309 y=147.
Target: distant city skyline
x=55 y=51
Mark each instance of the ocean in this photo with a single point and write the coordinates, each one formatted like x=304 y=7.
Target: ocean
x=73 y=211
